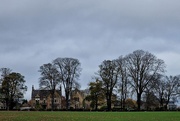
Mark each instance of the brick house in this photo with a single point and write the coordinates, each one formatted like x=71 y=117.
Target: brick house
x=41 y=99
x=78 y=99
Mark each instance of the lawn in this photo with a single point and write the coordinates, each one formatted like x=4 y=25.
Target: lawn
x=88 y=116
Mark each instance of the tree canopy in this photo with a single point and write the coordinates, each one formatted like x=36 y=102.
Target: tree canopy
x=12 y=87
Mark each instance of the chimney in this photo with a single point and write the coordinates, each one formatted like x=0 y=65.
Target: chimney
x=32 y=87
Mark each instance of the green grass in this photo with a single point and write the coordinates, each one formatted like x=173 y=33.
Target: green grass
x=88 y=116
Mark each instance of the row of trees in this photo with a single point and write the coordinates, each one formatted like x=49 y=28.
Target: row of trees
x=62 y=71
x=139 y=74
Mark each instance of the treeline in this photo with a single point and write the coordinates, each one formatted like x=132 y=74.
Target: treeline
x=139 y=75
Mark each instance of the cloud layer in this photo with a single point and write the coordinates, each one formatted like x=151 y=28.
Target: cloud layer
x=37 y=31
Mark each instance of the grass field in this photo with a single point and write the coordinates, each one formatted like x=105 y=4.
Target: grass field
x=88 y=116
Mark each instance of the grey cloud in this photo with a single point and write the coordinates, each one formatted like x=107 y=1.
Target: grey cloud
x=34 y=32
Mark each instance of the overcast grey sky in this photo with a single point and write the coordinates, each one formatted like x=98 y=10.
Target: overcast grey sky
x=35 y=32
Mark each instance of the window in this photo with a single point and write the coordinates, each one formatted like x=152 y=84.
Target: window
x=37 y=101
x=76 y=99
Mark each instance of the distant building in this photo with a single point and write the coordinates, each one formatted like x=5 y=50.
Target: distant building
x=78 y=99
x=41 y=99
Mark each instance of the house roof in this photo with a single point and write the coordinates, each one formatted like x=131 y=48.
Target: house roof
x=42 y=93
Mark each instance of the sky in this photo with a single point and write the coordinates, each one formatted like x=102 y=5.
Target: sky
x=35 y=32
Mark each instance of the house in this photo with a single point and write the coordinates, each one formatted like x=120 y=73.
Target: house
x=78 y=99
x=41 y=99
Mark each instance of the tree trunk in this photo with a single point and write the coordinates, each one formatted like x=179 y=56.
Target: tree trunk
x=7 y=104
x=139 y=101
x=96 y=103
x=109 y=102
x=52 y=101
x=161 y=102
x=67 y=101
x=167 y=102
x=121 y=103
x=124 y=103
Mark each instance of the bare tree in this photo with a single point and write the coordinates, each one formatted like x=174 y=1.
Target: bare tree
x=160 y=88
x=150 y=99
x=142 y=68
x=108 y=71
x=69 y=69
x=49 y=79
x=172 y=83
x=167 y=89
x=123 y=80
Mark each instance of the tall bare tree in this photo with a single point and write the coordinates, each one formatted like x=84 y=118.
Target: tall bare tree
x=69 y=70
x=49 y=79
x=123 y=80
x=160 y=88
x=142 y=68
x=108 y=71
